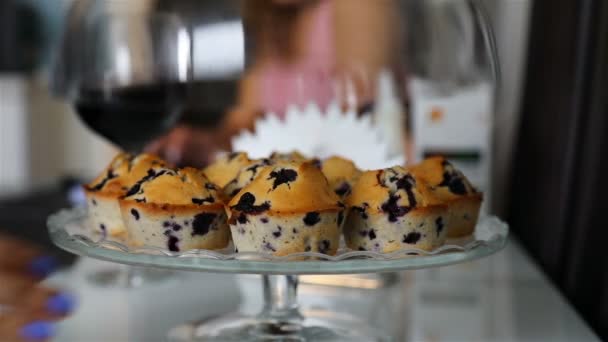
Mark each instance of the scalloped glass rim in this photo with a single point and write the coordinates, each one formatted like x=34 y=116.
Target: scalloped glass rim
x=490 y=237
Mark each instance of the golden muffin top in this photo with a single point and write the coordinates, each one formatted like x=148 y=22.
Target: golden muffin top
x=187 y=186
x=225 y=168
x=394 y=191
x=341 y=174
x=287 y=187
x=124 y=171
x=245 y=176
x=444 y=179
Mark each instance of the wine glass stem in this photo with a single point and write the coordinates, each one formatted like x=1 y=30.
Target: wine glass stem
x=280 y=299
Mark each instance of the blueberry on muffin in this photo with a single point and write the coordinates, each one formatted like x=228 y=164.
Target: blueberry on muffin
x=390 y=210
x=225 y=168
x=245 y=176
x=114 y=182
x=177 y=210
x=288 y=208
x=454 y=189
x=341 y=174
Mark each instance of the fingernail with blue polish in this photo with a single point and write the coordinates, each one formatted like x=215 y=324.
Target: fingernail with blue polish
x=44 y=265
x=61 y=303
x=38 y=331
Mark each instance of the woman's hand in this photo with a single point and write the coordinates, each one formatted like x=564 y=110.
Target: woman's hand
x=193 y=146
x=27 y=310
x=186 y=146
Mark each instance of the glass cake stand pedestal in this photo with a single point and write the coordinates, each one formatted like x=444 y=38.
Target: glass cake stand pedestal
x=280 y=319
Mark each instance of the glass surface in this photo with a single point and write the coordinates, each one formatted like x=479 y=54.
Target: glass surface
x=68 y=232
x=503 y=297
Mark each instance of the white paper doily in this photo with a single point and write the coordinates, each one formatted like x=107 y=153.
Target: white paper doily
x=320 y=135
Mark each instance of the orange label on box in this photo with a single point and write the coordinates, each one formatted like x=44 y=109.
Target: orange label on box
x=436 y=114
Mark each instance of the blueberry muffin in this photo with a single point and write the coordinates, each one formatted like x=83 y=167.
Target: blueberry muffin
x=341 y=174
x=391 y=210
x=245 y=176
x=104 y=191
x=177 y=210
x=288 y=208
x=454 y=189
x=225 y=168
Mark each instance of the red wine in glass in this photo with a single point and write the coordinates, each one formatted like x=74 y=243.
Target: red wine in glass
x=134 y=115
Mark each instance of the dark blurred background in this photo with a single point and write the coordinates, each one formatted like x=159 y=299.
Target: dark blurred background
x=557 y=187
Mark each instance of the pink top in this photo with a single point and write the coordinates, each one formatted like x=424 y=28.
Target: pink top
x=309 y=78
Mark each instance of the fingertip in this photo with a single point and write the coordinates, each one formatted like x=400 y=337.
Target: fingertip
x=154 y=147
x=39 y=330
x=61 y=303
x=173 y=154
x=44 y=265
x=176 y=148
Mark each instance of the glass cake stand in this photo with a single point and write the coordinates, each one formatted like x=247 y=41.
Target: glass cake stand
x=280 y=319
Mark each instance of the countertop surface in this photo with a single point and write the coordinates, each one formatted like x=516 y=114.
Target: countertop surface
x=500 y=298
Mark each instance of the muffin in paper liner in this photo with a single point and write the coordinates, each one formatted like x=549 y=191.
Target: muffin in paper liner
x=451 y=187
x=390 y=210
x=104 y=192
x=288 y=208
x=175 y=209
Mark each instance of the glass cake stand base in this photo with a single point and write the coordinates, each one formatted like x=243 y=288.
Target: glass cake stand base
x=280 y=320
x=128 y=277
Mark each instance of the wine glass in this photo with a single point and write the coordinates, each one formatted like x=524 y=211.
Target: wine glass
x=132 y=78
x=128 y=82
